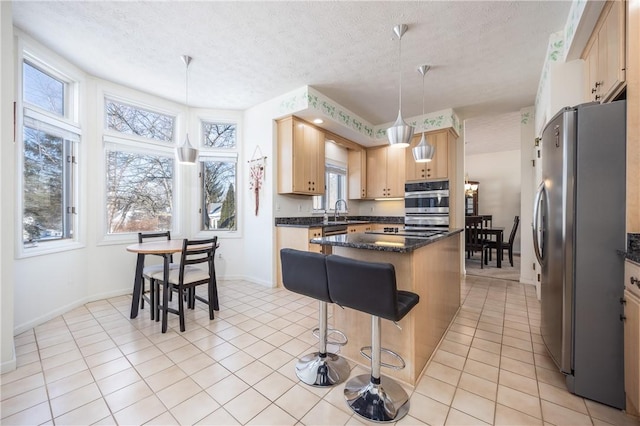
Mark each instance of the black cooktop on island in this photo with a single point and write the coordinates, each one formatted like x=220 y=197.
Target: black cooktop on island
x=410 y=233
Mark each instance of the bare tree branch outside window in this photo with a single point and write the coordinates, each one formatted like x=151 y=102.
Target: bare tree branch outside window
x=42 y=90
x=219 y=135
x=132 y=120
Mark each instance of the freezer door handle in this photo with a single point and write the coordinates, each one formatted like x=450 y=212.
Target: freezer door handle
x=536 y=221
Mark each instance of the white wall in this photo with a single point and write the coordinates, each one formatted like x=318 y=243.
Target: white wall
x=528 y=184
x=7 y=358
x=500 y=187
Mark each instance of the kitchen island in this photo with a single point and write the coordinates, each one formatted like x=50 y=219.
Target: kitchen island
x=426 y=266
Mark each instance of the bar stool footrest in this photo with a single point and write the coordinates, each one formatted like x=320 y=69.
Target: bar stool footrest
x=344 y=341
x=400 y=366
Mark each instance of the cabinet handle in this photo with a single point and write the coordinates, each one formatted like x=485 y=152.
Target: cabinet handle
x=622 y=317
x=593 y=90
x=599 y=83
x=634 y=280
x=598 y=97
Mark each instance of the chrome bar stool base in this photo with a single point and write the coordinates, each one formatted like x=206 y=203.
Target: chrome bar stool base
x=383 y=402
x=317 y=370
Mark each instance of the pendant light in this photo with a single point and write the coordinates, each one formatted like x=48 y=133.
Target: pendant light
x=400 y=133
x=423 y=152
x=186 y=153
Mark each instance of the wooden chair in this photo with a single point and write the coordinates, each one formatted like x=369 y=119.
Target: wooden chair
x=506 y=245
x=149 y=271
x=187 y=276
x=474 y=238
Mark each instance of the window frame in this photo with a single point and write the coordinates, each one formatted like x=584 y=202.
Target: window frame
x=132 y=143
x=66 y=126
x=329 y=168
x=210 y=153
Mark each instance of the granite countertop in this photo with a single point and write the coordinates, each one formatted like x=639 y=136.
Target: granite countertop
x=316 y=221
x=381 y=242
x=633 y=247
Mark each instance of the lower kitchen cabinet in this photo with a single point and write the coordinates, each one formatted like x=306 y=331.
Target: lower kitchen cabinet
x=360 y=227
x=295 y=238
x=632 y=338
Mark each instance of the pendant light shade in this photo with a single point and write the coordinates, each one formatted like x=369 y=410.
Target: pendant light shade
x=400 y=133
x=423 y=152
x=186 y=153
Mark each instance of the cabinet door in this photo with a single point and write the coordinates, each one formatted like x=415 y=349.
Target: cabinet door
x=414 y=170
x=613 y=62
x=632 y=349
x=376 y=172
x=357 y=165
x=308 y=159
x=591 y=71
x=396 y=172
x=438 y=168
x=315 y=233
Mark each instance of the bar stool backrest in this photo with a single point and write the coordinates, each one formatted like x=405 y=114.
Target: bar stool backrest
x=305 y=273
x=365 y=286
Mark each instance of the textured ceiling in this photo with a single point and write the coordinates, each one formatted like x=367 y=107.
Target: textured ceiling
x=486 y=57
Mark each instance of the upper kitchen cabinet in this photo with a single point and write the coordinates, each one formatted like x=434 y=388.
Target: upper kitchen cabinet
x=300 y=158
x=385 y=172
x=357 y=165
x=604 y=54
x=438 y=167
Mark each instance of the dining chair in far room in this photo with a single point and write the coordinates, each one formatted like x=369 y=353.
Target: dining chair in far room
x=474 y=238
x=149 y=271
x=196 y=268
x=506 y=245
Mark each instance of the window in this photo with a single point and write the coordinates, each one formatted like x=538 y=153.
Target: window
x=49 y=143
x=335 y=188
x=128 y=119
x=139 y=172
x=218 y=176
x=139 y=191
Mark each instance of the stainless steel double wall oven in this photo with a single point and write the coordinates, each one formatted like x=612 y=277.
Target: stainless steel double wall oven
x=426 y=204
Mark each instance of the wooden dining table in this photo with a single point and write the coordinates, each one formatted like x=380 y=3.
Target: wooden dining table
x=164 y=248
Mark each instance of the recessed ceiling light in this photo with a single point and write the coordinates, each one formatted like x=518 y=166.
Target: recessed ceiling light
x=318 y=121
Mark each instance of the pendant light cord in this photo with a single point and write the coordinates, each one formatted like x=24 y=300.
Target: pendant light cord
x=400 y=63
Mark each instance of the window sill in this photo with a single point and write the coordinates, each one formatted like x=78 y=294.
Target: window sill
x=47 y=247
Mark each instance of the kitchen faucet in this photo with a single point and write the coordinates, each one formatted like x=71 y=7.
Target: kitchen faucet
x=335 y=208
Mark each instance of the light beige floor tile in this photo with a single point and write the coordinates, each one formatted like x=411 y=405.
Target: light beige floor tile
x=436 y=389
x=562 y=397
x=297 y=401
x=479 y=386
x=141 y=412
x=103 y=357
x=246 y=405
x=178 y=392
x=610 y=415
x=488 y=335
x=296 y=347
x=525 y=345
x=272 y=415
x=506 y=416
x=254 y=372
x=244 y=340
x=97 y=347
x=454 y=348
x=29 y=358
x=164 y=419
x=474 y=405
x=276 y=358
x=86 y=414
x=262 y=331
x=196 y=363
x=165 y=378
x=222 y=351
x=209 y=342
x=22 y=385
x=552 y=377
x=458 y=418
x=484 y=357
x=153 y=366
x=194 y=409
x=324 y=413
x=128 y=395
x=486 y=345
x=405 y=421
x=274 y=386
x=38 y=414
x=58 y=349
x=111 y=367
x=518 y=354
x=74 y=399
x=519 y=367
x=335 y=396
x=449 y=359
x=443 y=373
x=543 y=360
x=516 y=381
x=226 y=389
x=427 y=410
x=219 y=417
x=559 y=415
x=61 y=359
x=23 y=401
x=143 y=355
x=236 y=361
x=277 y=339
x=520 y=401
x=183 y=353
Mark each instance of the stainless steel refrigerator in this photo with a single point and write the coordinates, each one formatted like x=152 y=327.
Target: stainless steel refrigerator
x=579 y=229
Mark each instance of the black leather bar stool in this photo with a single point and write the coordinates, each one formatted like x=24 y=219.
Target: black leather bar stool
x=371 y=287
x=306 y=273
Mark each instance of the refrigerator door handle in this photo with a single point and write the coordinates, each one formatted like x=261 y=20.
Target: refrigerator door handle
x=536 y=212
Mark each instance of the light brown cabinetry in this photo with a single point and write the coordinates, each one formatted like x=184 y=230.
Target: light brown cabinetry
x=385 y=172
x=296 y=238
x=361 y=227
x=604 y=55
x=357 y=171
x=300 y=158
x=632 y=340
x=438 y=167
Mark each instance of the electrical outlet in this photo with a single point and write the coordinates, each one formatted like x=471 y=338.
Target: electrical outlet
x=299 y=207
x=372 y=209
x=219 y=255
